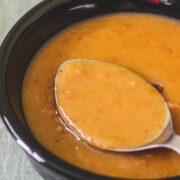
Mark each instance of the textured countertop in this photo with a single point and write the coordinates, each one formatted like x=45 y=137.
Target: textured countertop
x=14 y=164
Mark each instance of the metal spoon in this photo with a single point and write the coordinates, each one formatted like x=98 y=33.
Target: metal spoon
x=167 y=137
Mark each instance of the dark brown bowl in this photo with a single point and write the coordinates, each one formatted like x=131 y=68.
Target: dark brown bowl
x=17 y=50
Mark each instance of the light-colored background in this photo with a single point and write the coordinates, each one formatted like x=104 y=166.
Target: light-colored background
x=14 y=164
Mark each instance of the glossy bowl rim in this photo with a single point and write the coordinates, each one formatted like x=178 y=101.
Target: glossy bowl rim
x=26 y=142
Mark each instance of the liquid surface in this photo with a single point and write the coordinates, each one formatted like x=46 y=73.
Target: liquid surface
x=109 y=106
x=148 y=45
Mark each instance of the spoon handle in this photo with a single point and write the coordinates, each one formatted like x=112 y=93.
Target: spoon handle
x=173 y=143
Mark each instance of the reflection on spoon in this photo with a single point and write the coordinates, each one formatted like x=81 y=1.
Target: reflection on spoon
x=113 y=108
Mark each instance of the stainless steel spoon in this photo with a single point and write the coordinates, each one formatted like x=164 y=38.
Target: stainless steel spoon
x=167 y=137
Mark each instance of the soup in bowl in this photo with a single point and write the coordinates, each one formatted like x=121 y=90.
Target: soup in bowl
x=146 y=44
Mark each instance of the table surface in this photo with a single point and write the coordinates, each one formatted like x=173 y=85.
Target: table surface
x=14 y=164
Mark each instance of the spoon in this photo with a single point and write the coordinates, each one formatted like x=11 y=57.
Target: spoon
x=166 y=138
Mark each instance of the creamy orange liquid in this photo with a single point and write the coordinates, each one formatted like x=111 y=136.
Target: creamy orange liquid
x=109 y=106
x=148 y=45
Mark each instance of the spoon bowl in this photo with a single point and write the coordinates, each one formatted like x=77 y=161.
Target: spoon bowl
x=166 y=137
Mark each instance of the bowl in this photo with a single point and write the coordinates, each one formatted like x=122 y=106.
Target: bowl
x=18 y=49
